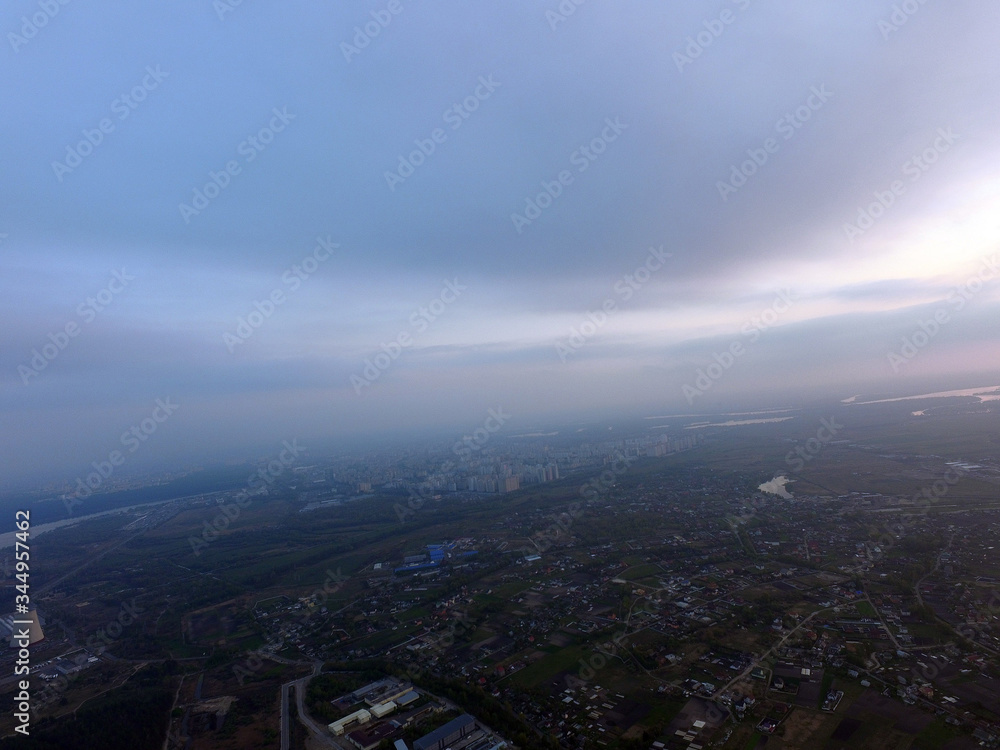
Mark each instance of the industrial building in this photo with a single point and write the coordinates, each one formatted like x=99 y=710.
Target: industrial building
x=407 y=698
x=370 y=738
x=441 y=738
x=383 y=709
x=372 y=687
x=361 y=717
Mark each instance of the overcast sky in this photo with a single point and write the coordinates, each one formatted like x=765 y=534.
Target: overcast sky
x=560 y=214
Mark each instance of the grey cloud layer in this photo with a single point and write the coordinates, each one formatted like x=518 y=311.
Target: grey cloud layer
x=321 y=170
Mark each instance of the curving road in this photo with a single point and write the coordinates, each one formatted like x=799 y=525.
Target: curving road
x=319 y=732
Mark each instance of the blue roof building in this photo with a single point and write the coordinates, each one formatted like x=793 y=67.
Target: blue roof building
x=439 y=739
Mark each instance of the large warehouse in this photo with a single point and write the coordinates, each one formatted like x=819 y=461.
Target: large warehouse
x=453 y=730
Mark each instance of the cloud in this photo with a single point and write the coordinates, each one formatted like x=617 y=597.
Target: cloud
x=320 y=170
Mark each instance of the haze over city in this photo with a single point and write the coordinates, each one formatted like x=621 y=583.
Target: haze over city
x=347 y=223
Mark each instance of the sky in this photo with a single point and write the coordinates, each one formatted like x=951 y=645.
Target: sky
x=285 y=220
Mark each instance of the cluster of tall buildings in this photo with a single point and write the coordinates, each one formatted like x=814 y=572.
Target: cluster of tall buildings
x=547 y=473
x=500 y=468
x=507 y=479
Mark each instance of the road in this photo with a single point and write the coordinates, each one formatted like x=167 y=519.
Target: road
x=937 y=564
x=881 y=621
x=318 y=732
x=775 y=647
x=285 y=741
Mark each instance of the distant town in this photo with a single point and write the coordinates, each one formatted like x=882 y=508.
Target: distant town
x=652 y=590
